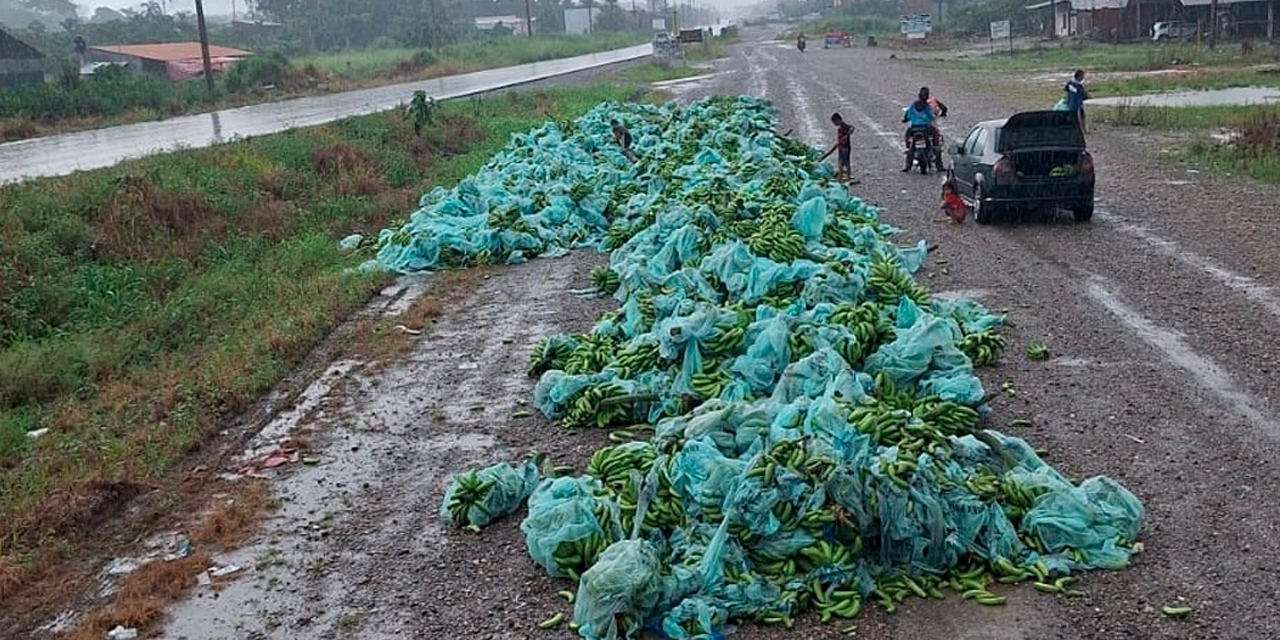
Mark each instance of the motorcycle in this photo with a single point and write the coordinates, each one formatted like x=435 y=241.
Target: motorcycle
x=800 y=44
x=920 y=149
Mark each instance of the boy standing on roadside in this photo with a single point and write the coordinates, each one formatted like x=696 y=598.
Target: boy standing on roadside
x=843 y=148
x=1076 y=95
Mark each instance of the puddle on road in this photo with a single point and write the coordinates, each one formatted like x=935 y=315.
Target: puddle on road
x=1238 y=96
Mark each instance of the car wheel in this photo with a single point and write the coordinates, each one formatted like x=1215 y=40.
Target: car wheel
x=1083 y=212
x=982 y=213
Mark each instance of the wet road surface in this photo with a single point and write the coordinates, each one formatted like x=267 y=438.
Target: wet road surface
x=63 y=154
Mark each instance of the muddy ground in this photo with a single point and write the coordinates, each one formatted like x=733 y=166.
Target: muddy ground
x=1161 y=316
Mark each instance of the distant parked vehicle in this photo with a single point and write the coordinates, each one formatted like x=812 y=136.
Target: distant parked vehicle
x=1162 y=31
x=836 y=39
x=1031 y=159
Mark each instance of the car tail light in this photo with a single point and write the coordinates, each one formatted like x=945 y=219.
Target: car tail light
x=1003 y=168
x=1086 y=163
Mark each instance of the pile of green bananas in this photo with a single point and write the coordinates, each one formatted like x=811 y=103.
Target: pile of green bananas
x=471 y=493
x=984 y=347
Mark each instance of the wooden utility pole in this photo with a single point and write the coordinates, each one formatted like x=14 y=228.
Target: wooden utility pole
x=204 y=51
x=528 y=19
x=1213 y=24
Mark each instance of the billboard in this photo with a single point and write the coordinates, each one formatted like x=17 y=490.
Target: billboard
x=916 y=26
x=578 y=21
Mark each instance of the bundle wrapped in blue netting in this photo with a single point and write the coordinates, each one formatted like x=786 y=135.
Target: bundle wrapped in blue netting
x=817 y=423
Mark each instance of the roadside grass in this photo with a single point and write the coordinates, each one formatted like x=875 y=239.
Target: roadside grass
x=142 y=306
x=1207 y=155
x=658 y=71
x=1247 y=141
x=1107 y=57
x=1253 y=150
x=122 y=97
x=1203 y=79
x=1179 y=118
x=366 y=64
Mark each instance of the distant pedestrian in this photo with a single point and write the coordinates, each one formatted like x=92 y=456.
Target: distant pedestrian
x=800 y=43
x=1076 y=95
x=623 y=138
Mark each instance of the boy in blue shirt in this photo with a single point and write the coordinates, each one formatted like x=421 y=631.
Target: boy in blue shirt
x=1076 y=95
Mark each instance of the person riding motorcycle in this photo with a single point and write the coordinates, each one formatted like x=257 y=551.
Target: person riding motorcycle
x=800 y=43
x=921 y=114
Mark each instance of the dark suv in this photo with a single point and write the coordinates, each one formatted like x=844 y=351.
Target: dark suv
x=1035 y=159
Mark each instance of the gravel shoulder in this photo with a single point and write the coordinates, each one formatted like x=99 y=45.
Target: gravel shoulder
x=1165 y=345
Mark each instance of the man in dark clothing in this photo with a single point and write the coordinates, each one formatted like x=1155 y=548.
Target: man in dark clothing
x=843 y=148
x=623 y=138
x=1076 y=95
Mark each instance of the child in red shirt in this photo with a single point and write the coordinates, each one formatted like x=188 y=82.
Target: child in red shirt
x=952 y=205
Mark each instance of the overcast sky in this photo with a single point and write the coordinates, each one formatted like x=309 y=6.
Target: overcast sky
x=210 y=6
x=223 y=7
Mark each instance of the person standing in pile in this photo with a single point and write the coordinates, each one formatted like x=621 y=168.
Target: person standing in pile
x=622 y=137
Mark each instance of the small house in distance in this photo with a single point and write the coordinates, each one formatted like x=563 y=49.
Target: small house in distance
x=173 y=60
x=505 y=24
x=20 y=63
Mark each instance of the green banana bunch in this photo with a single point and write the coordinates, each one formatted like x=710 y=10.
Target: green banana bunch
x=984 y=347
x=550 y=354
x=592 y=354
x=727 y=343
x=602 y=405
x=637 y=358
x=777 y=240
x=471 y=493
x=709 y=385
x=573 y=558
x=580 y=191
x=890 y=282
x=605 y=280
x=1038 y=351
x=613 y=465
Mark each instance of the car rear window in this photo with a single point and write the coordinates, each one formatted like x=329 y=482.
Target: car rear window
x=1056 y=136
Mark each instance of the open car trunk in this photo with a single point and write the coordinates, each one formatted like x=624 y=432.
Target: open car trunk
x=1045 y=163
x=1042 y=144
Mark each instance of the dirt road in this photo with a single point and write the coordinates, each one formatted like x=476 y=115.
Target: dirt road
x=1161 y=316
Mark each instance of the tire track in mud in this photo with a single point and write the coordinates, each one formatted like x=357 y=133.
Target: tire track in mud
x=359 y=537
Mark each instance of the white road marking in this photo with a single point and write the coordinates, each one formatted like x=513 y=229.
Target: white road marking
x=678 y=81
x=758 y=79
x=861 y=116
x=1211 y=375
x=808 y=123
x=1249 y=287
x=972 y=294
